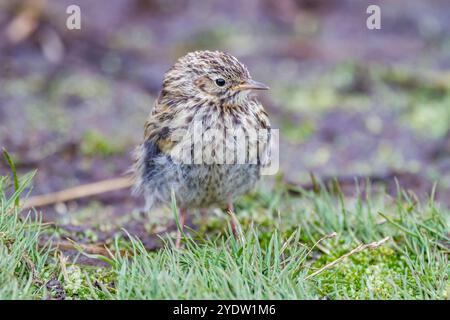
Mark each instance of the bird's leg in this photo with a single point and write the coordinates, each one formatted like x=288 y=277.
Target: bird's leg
x=230 y=211
x=181 y=217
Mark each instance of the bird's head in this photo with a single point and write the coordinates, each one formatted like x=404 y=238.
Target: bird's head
x=210 y=75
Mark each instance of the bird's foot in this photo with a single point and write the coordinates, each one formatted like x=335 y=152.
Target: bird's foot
x=235 y=228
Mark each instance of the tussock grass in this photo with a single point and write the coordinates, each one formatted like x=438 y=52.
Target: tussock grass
x=224 y=268
x=21 y=262
x=278 y=258
x=317 y=246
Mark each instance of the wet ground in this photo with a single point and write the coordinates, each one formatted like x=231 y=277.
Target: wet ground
x=348 y=101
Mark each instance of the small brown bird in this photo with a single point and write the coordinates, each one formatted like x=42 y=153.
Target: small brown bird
x=198 y=138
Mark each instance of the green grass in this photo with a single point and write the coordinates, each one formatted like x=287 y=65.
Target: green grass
x=21 y=262
x=285 y=241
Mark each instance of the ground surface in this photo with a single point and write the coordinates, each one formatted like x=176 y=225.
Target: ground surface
x=348 y=102
x=316 y=245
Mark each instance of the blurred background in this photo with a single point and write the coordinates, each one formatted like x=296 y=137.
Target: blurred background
x=348 y=101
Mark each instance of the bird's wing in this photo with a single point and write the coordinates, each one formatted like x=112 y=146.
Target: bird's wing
x=157 y=128
x=263 y=122
x=156 y=144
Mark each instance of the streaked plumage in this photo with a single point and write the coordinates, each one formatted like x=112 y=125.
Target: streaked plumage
x=190 y=94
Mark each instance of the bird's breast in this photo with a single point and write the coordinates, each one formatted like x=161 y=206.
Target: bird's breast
x=216 y=137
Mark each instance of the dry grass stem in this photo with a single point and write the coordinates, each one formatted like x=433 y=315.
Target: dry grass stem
x=361 y=247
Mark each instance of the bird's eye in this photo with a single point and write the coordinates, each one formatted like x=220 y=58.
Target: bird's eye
x=220 y=82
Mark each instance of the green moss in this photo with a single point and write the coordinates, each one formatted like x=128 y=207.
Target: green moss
x=94 y=143
x=365 y=275
x=83 y=282
x=423 y=97
x=303 y=99
x=297 y=132
x=274 y=259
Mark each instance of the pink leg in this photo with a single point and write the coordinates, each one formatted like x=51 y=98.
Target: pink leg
x=230 y=211
x=181 y=217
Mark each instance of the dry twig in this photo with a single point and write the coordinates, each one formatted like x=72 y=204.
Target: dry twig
x=26 y=21
x=361 y=247
x=78 y=192
x=64 y=245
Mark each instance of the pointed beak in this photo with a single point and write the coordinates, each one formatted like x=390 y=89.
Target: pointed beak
x=252 y=85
